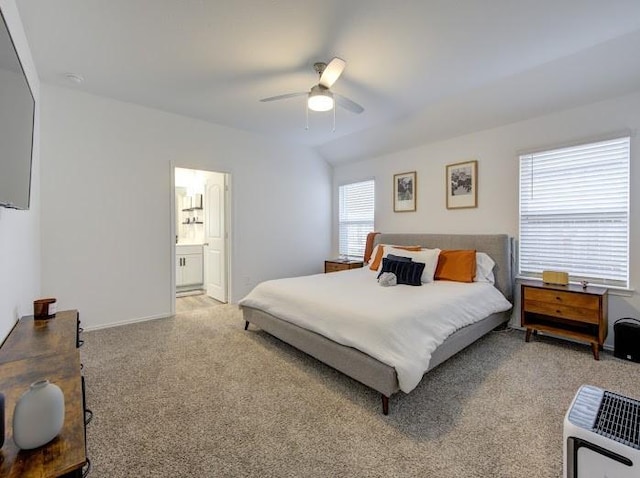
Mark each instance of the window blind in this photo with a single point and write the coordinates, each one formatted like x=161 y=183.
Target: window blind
x=356 y=217
x=574 y=212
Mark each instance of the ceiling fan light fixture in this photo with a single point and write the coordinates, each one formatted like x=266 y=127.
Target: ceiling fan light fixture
x=320 y=99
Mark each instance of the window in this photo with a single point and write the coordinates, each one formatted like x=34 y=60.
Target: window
x=355 y=221
x=574 y=212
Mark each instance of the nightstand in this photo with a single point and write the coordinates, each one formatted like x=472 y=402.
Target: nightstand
x=570 y=311
x=341 y=265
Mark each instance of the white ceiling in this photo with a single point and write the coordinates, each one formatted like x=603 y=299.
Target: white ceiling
x=423 y=69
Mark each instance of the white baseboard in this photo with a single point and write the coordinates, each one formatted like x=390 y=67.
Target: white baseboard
x=190 y=292
x=126 y=322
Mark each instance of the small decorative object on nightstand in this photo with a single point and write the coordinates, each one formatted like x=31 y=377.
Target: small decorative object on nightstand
x=44 y=308
x=572 y=311
x=336 y=265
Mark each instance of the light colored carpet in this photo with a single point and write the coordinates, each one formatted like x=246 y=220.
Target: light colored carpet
x=188 y=303
x=196 y=395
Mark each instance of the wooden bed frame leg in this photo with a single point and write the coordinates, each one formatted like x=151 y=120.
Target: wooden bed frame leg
x=385 y=405
x=246 y=324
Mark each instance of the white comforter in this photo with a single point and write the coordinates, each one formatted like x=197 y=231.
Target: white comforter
x=400 y=326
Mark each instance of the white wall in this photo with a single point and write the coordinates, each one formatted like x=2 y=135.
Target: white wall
x=497 y=153
x=20 y=230
x=106 y=195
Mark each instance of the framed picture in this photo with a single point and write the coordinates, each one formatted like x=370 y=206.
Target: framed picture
x=404 y=192
x=462 y=185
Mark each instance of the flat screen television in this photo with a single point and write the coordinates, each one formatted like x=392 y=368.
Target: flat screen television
x=17 y=109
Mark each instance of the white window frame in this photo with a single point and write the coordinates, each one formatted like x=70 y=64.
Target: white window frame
x=556 y=225
x=352 y=240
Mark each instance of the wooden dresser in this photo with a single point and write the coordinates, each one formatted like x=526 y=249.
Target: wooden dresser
x=570 y=311
x=39 y=350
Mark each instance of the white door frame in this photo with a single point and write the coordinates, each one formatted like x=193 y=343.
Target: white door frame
x=172 y=229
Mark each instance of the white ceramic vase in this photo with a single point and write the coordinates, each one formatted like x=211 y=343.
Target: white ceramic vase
x=38 y=416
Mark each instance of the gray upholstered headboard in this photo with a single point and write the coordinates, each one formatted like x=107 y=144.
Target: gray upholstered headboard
x=498 y=246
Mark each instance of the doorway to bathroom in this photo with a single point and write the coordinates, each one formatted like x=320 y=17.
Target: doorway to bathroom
x=201 y=238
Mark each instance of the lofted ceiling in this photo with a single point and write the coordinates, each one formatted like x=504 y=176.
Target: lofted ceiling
x=423 y=69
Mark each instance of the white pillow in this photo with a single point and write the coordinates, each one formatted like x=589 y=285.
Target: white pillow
x=429 y=257
x=484 y=268
x=387 y=248
x=374 y=253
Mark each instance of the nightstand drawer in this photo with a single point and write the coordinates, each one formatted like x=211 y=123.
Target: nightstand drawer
x=333 y=267
x=336 y=266
x=583 y=301
x=577 y=314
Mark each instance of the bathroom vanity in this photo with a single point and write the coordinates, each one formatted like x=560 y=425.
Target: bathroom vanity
x=189 y=265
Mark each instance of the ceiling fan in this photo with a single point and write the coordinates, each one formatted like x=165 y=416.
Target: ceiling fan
x=320 y=97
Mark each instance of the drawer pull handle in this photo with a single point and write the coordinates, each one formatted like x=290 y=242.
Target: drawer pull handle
x=558 y=312
x=558 y=298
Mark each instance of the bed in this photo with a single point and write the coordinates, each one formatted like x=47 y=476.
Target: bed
x=369 y=368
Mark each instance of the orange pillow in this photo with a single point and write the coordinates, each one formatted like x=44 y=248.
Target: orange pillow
x=375 y=263
x=456 y=265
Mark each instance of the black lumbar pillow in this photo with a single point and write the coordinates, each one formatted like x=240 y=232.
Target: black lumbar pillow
x=406 y=272
x=391 y=257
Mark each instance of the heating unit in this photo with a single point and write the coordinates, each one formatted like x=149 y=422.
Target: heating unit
x=602 y=435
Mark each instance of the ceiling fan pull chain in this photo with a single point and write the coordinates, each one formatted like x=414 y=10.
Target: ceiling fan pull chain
x=334 y=119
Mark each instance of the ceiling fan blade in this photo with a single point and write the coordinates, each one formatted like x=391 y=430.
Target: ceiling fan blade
x=348 y=104
x=332 y=72
x=284 y=97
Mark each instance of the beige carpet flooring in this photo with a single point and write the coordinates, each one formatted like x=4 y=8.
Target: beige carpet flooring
x=196 y=395
x=189 y=303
